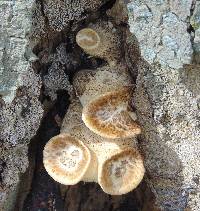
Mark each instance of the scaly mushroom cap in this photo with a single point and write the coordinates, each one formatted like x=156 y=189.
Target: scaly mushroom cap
x=109 y=115
x=100 y=40
x=66 y=159
x=121 y=173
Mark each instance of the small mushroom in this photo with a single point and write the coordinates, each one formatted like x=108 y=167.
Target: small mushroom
x=66 y=159
x=115 y=164
x=110 y=117
x=100 y=40
x=105 y=95
x=121 y=173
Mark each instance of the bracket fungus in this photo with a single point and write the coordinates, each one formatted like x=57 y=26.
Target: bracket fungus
x=115 y=164
x=105 y=95
x=100 y=40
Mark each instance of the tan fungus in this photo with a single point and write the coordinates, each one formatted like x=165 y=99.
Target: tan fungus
x=100 y=148
x=100 y=40
x=105 y=94
x=112 y=162
x=66 y=159
x=109 y=116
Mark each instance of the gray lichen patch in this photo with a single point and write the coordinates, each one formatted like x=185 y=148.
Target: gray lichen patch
x=60 y=13
x=38 y=24
x=171 y=131
x=161 y=29
x=14 y=161
x=59 y=65
x=15 y=24
x=55 y=80
x=20 y=120
x=20 y=109
x=167 y=101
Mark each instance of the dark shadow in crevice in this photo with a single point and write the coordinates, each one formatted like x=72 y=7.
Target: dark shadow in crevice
x=45 y=192
x=90 y=197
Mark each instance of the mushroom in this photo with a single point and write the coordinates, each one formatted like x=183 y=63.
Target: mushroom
x=122 y=172
x=115 y=164
x=66 y=159
x=100 y=40
x=109 y=116
x=105 y=95
x=77 y=154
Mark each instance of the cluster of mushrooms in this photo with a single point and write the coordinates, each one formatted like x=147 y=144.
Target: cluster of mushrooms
x=97 y=139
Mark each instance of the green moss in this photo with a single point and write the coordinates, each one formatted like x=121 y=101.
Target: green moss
x=195 y=25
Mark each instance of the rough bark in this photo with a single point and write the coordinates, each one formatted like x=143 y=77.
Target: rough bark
x=167 y=100
x=20 y=109
x=162 y=51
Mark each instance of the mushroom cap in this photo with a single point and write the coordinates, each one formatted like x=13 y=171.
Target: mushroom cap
x=108 y=115
x=122 y=172
x=101 y=40
x=88 y=39
x=66 y=159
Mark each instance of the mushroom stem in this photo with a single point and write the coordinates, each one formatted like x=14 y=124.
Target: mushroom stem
x=90 y=84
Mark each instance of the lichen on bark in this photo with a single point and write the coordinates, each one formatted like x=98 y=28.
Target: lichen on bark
x=20 y=109
x=166 y=102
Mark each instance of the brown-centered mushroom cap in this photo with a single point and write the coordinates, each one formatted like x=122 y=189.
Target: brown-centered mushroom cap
x=66 y=159
x=109 y=115
x=122 y=172
x=88 y=39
